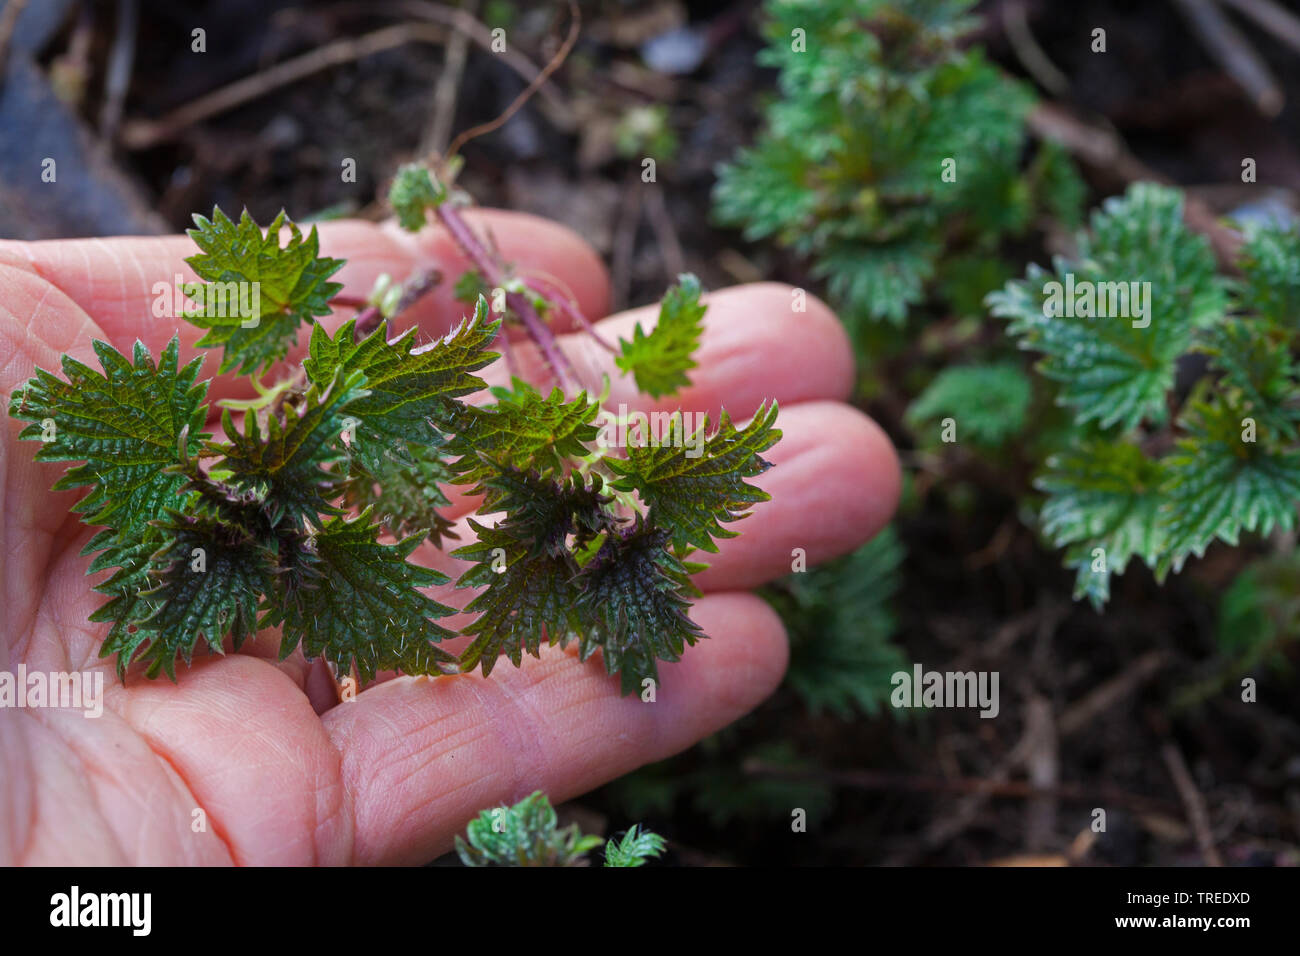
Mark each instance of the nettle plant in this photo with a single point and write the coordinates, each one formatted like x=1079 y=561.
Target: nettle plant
x=281 y=520
x=1180 y=384
x=892 y=155
x=528 y=834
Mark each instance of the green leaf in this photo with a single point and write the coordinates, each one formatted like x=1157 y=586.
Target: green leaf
x=210 y=579
x=408 y=391
x=1110 y=370
x=127 y=425
x=526 y=834
x=690 y=489
x=839 y=619
x=406 y=495
x=283 y=287
x=357 y=602
x=1219 y=484
x=1270 y=264
x=636 y=847
x=531 y=598
x=659 y=361
x=1254 y=355
x=521 y=430
x=286 y=467
x=633 y=604
x=988 y=402
x=414 y=191
x=1103 y=506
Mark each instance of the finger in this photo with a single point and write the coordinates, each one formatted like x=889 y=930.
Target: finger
x=754 y=348
x=115 y=280
x=420 y=758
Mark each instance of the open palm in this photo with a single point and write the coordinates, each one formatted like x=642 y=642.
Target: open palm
x=245 y=759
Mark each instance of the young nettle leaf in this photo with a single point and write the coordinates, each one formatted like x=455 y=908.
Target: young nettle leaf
x=1112 y=323
x=358 y=603
x=635 y=849
x=258 y=292
x=1270 y=264
x=1103 y=507
x=660 y=360
x=285 y=466
x=527 y=598
x=127 y=425
x=690 y=487
x=1220 y=483
x=1254 y=356
x=989 y=402
x=210 y=580
x=633 y=599
x=521 y=430
x=413 y=192
x=527 y=834
x=527 y=563
x=406 y=495
x=408 y=390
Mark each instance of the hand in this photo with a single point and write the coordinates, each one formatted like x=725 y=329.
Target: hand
x=282 y=772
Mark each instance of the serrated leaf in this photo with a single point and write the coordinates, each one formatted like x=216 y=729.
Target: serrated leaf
x=633 y=603
x=690 y=489
x=1219 y=484
x=284 y=287
x=635 y=848
x=1254 y=355
x=126 y=425
x=406 y=495
x=209 y=581
x=285 y=467
x=1270 y=265
x=1110 y=370
x=660 y=360
x=1103 y=506
x=408 y=391
x=526 y=834
x=521 y=430
x=532 y=598
x=356 y=602
x=413 y=192
x=987 y=402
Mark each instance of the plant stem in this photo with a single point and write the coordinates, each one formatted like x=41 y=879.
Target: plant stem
x=486 y=262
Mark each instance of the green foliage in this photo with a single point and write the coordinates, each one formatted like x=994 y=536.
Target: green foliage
x=840 y=623
x=1117 y=370
x=891 y=142
x=1154 y=467
x=414 y=190
x=659 y=361
x=528 y=834
x=208 y=539
x=289 y=285
x=637 y=847
x=988 y=402
x=690 y=492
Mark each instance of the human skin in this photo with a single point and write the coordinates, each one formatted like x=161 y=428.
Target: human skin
x=284 y=773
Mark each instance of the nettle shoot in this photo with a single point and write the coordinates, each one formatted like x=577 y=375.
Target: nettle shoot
x=1180 y=386
x=283 y=517
x=528 y=834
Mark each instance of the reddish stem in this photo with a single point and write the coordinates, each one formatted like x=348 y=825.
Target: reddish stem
x=486 y=262
x=558 y=298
